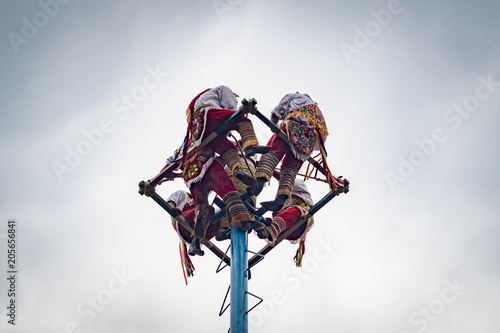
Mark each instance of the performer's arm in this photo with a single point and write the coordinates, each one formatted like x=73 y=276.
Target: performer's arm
x=178 y=200
x=166 y=173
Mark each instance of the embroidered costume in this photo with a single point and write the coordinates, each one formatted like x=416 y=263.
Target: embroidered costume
x=183 y=202
x=202 y=173
x=304 y=124
x=206 y=112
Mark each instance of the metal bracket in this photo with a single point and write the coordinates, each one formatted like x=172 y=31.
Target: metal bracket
x=253 y=307
x=222 y=260
x=221 y=312
x=255 y=262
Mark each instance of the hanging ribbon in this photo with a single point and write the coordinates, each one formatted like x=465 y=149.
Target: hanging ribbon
x=186 y=263
x=301 y=250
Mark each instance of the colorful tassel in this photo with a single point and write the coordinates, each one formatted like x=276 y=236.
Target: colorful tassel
x=186 y=263
x=300 y=253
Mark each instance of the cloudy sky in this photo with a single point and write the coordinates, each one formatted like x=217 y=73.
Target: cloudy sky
x=93 y=95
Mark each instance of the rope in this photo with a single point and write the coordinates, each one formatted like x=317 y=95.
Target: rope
x=330 y=178
x=244 y=155
x=309 y=165
x=307 y=172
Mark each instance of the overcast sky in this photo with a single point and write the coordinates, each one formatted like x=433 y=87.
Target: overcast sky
x=93 y=95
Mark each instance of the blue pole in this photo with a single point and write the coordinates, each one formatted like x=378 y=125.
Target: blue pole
x=239 y=281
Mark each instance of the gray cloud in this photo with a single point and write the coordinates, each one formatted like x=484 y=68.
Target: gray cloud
x=398 y=246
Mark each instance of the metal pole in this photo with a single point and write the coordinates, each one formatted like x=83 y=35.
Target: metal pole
x=239 y=281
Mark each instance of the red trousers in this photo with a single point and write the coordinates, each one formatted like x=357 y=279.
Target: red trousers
x=215 y=179
x=215 y=118
x=286 y=219
x=283 y=150
x=189 y=216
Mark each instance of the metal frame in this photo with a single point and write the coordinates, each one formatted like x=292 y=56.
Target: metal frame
x=211 y=246
x=239 y=262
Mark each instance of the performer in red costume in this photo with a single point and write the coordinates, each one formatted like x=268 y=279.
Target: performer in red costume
x=303 y=122
x=183 y=203
x=202 y=173
x=248 y=165
x=206 y=113
x=294 y=209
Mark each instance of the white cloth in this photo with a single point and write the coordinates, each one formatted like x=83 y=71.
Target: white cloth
x=220 y=97
x=300 y=189
x=180 y=199
x=291 y=102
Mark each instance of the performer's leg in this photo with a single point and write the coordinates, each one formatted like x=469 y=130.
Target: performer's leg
x=291 y=160
x=212 y=229
x=283 y=150
x=193 y=240
x=216 y=117
x=189 y=217
x=201 y=225
x=283 y=221
x=199 y=192
x=240 y=217
x=216 y=179
x=287 y=179
x=249 y=139
x=289 y=169
x=268 y=162
x=244 y=126
x=225 y=148
x=203 y=213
